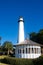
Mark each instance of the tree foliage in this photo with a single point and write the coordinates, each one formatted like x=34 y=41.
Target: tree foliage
x=37 y=37
x=7 y=46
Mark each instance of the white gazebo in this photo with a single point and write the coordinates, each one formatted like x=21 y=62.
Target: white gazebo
x=28 y=49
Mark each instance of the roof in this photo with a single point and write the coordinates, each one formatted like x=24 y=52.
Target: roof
x=29 y=42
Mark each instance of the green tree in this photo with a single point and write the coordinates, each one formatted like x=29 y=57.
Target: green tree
x=41 y=31
x=33 y=36
x=40 y=36
x=37 y=37
x=8 y=46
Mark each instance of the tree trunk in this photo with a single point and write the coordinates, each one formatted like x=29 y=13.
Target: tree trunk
x=8 y=52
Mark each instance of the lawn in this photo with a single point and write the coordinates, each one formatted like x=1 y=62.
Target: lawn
x=3 y=56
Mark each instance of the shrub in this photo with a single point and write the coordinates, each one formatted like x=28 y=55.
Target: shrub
x=38 y=61
x=19 y=61
x=16 y=61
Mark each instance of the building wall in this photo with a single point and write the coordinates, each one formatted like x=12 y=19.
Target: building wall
x=27 y=51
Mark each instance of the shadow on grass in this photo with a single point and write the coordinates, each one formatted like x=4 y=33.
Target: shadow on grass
x=3 y=61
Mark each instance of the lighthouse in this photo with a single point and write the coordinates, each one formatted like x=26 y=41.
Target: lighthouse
x=26 y=48
x=21 y=30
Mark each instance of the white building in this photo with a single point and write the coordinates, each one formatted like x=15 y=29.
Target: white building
x=26 y=48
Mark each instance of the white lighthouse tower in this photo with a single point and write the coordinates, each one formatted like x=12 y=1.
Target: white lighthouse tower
x=21 y=30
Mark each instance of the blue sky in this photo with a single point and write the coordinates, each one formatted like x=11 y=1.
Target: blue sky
x=10 y=10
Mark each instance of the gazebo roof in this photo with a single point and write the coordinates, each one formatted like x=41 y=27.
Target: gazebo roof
x=29 y=42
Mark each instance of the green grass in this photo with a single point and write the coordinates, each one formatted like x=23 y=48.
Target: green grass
x=3 y=56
